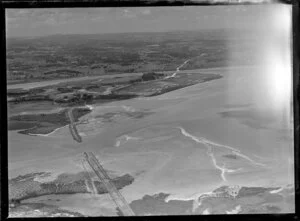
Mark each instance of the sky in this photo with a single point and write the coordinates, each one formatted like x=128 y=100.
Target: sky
x=41 y=22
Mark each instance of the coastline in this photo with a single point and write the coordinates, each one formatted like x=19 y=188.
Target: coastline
x=31 y=85
x=46 y=135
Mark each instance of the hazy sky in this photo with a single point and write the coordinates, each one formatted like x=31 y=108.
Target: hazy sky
x=38 y=22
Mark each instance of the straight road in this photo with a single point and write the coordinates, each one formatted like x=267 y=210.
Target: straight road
x=72 y=126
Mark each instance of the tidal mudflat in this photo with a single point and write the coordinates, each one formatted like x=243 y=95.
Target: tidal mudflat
x=178 y=152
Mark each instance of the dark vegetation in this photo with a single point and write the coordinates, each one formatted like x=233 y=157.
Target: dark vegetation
x=39 y=210
x=29 y=176
x=156 y=205
x=25 y=187
x=43 y=123
x=20 y=91
x=127 y=87
x=16 y=92
x=152 y=76
x=161 y=85
x=21 y=189
x=63 y=72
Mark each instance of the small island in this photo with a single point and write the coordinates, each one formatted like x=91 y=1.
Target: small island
x=33 y=124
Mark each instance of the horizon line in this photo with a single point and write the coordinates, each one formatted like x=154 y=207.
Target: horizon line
x=116 y=33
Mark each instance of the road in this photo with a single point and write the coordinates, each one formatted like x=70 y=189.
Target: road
x=178 y=69
x=72 y=126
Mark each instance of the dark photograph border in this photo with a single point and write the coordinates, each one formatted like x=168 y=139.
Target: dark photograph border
x=5 y=4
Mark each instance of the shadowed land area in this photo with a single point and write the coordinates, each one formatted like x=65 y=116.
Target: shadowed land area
x=42 y=183
x=40 y=210
x=43 y=123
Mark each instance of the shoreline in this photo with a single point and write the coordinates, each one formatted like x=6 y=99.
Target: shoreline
x=56 y=123
x=46 y=135
x=90 y=107
x=29 y=85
